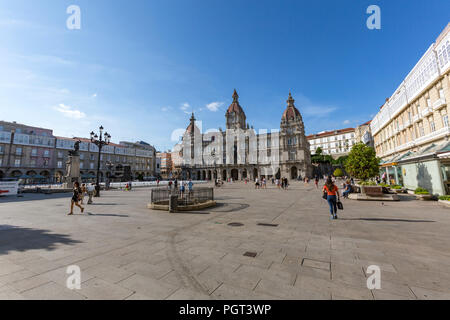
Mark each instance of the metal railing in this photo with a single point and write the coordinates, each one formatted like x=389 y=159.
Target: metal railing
x=197 y=195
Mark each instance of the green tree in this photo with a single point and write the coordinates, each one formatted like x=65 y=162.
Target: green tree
x=319 y=151
x=362 y=162
x=338 y=172
x=328 y=159
x=341 y=160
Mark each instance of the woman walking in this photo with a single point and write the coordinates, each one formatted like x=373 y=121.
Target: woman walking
x=76 y=198
x=332 y=196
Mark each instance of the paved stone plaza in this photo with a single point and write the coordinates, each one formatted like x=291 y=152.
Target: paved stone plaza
x=126 y=251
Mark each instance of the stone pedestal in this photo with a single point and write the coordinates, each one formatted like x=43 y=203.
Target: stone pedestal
x=72 y=171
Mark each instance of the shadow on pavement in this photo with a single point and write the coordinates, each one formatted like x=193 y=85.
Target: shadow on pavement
x=34 y=197
x=230 y=207
x=386 y=220
x=105 y=204
x=13 y=238
x=106 y=215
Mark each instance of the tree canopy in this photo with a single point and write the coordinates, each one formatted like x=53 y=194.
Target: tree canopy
x=362 y=162
x=338 y=172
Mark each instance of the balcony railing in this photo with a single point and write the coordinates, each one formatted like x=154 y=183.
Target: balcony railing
x=426 y=111
x=439 y=103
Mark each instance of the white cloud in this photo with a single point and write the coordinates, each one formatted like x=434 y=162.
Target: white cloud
x=69 y=112
x=214 y=106
x=177 y=134
x=346 y=122
x=185 y=107
x=94 y=95
x=165 y=109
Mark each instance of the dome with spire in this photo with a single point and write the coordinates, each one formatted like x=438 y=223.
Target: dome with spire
x=191 y=127
x=291 y=112
x=235 y=106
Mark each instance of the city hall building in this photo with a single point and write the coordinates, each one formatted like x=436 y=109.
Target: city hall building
x=240 y=153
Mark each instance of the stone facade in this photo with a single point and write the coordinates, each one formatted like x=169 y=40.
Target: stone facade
x=363 y=134
x=239 y=152
x=165 y=164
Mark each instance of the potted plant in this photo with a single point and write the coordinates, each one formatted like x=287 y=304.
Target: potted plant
x=422 y=194
x=445 y=200
x=397 y=188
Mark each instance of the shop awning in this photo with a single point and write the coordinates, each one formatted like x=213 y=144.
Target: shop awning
x=87 y=176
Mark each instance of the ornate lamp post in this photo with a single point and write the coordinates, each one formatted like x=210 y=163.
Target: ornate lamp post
x=99 y=141
x=109 y=165
x=13 y=132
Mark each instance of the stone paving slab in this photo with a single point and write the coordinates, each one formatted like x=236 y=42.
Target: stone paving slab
x=126 y=251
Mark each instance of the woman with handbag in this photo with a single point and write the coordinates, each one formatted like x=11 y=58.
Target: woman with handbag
x=332 y=196
x=76 y=197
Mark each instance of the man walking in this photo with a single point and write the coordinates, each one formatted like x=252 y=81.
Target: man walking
x=90 y=191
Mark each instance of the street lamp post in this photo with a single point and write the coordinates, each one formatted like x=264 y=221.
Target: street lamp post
x=13 y=131
x=109 y=165
x=100 y=141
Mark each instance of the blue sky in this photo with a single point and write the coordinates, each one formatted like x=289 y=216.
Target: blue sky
x=140 y=67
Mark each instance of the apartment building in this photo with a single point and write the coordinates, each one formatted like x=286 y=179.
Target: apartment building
x=26 y=151
x=411 y=130
x=36 y=155
x=363 y=134
x=336 y=143
x=166 y=164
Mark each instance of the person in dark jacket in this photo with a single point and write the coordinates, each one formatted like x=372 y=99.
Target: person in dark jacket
x=76 y=197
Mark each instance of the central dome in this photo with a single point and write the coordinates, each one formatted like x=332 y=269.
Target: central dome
x=235 y=106
x=291 y=112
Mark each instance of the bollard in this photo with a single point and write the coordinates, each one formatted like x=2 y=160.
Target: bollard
x=173 y=203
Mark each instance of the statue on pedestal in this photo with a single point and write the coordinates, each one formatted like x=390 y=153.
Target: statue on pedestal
x=76 y=149
x=73 y=166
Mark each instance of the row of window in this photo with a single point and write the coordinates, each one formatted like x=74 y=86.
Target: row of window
x=407 y=116
x=426 y=71
x=333 y=138
x=331 y=151
x=417 y=131
x=33 y=163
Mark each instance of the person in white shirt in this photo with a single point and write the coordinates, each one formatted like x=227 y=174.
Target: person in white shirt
x=90 y=190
